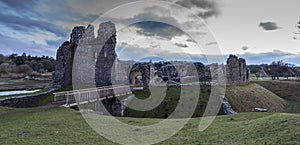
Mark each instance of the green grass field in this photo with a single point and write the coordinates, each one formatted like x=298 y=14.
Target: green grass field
x=66 y=126
x=56 y=125
x=170 y=102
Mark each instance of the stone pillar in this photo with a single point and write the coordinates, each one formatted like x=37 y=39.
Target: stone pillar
x=236 y=70
x=243 y=70
x=146 y=75
x=233 y=75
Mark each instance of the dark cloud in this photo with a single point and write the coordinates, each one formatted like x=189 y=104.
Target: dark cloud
x=148 y=34
x=143 y=17
x=89 y=17
x=245 y=48
x=190 y=40
x=124 y=44
x=54 y=43
x=19 y=4
x=211 y=43
x=208 y=8
x=29 y=25
x=151 y=24
x=151 y=28
x=181 y=45
x=269 y=26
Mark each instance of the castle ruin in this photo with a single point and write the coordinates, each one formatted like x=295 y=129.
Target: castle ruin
x=98 y=56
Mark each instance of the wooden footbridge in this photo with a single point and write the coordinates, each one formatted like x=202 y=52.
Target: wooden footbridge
x=88 y=95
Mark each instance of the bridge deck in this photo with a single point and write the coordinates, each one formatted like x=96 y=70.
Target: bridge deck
x=88 y=95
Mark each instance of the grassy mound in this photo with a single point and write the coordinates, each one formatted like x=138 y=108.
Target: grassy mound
x=243 y=98
x=66 y=126
x=246 y=97
x=288 y=90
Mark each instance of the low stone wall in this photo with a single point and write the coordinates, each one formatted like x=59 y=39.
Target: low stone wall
x=24 y=101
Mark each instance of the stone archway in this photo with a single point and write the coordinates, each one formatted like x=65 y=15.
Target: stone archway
x=135 y=78
x=143 y=70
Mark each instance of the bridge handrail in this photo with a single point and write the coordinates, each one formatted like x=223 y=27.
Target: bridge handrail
x=65 y=92
x=87 y=90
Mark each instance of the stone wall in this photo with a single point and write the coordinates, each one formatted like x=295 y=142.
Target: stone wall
x=24 y=101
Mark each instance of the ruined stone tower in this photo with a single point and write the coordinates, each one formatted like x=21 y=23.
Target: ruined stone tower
x=91 y=61
x=64 y=59
x=236 y=69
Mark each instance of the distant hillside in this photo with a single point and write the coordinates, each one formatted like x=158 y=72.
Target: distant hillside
x=246 y=97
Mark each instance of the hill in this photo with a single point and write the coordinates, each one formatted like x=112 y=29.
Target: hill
x=244 y=98
x=288 y=90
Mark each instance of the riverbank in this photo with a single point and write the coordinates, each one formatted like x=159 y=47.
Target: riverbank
x=7 y=84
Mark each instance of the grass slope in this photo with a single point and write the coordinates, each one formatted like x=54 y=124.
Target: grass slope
x=170 y=102
x=246 y=97
x=66 y=126
x=288 y=90
x=243 y=98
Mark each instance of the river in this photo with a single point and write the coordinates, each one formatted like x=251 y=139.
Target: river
x=4 y=93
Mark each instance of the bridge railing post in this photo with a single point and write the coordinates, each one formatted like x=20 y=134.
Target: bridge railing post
x=79 y=98
x=89 y=97
x=54 y=97
x=67 y=100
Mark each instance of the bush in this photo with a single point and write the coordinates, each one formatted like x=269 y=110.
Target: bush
x=6 y=68
x=34 y=74
x=24 y=69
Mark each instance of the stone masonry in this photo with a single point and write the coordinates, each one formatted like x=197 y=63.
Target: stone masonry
x=64 y=59
x=237 y=72
x=92 y=60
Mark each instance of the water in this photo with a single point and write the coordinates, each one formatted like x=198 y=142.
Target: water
x=3 y=83
x=4 y=93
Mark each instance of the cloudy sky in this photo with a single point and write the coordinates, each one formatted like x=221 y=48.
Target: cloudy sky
x=260 y=31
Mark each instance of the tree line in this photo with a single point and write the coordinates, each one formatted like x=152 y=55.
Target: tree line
x=275 y=70
x=15 y=65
